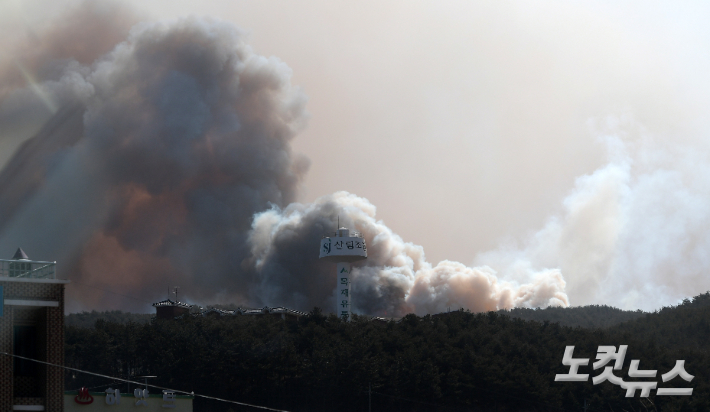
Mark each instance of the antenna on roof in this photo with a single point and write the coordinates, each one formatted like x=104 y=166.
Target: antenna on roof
x=176 y=295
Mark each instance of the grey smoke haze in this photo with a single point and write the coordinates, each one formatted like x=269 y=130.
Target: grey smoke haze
x=182 y=136
x=162 y=156
x=634 y=232
x=167 y=161
x=26 y=56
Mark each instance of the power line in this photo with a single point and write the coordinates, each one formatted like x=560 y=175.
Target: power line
x=97 y=386
x=143 y=383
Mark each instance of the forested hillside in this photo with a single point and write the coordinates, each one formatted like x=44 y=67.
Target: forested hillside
x=88 y=319
x=453 y=362
x=591 y=317
x=686 y=326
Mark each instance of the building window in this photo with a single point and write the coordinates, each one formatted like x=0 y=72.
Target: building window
x=25 y=344
x=18 y=269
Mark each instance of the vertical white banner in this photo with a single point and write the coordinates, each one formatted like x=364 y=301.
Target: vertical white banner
x=343 y=297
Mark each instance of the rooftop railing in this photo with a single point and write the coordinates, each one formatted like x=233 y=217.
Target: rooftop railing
x=351 y=234
x=28 y=269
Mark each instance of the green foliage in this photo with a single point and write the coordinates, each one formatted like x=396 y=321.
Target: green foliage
x=88 y=319
x=450 y=362
x=686 y=326
x=591 y=317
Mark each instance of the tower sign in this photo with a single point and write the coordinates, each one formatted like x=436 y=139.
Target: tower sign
x=343 y=248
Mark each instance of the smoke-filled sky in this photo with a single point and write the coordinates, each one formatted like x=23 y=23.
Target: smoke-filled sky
x=493 y=154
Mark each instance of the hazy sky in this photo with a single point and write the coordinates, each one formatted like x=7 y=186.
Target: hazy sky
x=467 y=122
x=476 y=127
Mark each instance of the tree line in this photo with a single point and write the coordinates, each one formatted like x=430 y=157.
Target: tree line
x=458 y=361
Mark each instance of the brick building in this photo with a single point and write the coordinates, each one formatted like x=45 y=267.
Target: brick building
x=31 y=325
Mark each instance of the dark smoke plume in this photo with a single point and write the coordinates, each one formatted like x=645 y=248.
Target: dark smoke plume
x=181 y=137
x=166 y=161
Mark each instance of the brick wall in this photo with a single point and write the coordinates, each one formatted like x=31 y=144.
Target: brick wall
x=6 y=362
x=55 y=355
x=49 y=322
x=30 y=290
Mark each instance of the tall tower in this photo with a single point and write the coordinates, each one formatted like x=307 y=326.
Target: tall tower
x=343 y=248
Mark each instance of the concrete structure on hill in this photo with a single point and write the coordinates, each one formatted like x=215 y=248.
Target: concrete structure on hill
x=343 y=248
x=168 y=309
x=31 y=326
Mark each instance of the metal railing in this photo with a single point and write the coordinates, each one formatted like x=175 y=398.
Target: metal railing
x=351 y=234
x=28 y=269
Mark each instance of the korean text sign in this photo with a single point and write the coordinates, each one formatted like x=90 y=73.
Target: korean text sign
x=606 y=354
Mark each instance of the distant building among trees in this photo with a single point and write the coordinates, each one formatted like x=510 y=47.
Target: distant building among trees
x=169 y=309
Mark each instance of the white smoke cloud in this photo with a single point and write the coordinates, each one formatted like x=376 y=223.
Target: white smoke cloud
x=635 y=232
x=396 y=278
